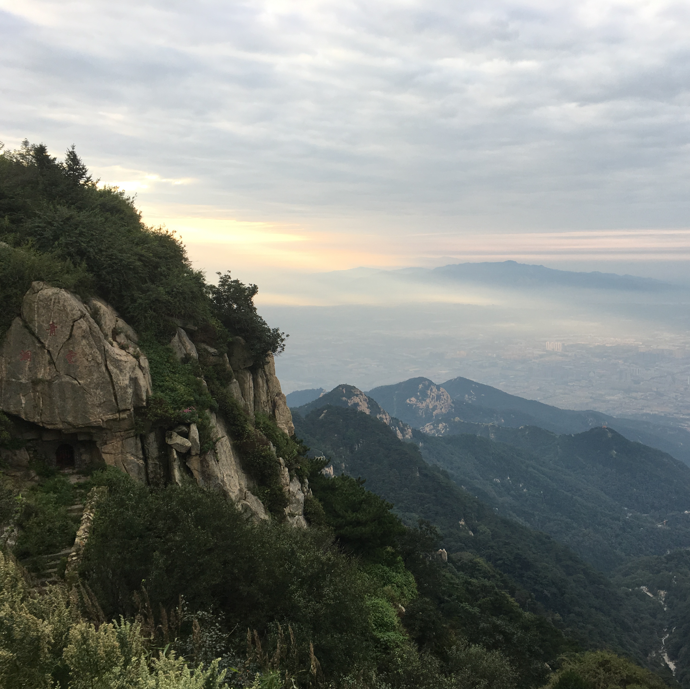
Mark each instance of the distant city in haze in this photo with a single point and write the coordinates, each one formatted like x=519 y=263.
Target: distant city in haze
x=573 y=340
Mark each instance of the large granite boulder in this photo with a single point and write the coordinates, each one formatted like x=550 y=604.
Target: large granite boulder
x=61 y=369
x=72 y=374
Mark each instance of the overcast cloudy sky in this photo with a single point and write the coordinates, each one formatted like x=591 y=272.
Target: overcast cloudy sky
x=324 y=134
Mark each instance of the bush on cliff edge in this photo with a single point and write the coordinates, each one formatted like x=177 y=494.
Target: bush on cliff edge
x=62 y=227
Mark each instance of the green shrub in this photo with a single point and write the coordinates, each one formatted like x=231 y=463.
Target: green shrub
x=603 y=670
x=363 y=523
x=179 y=395
x=291 y=449
x=20 y=267
x=45 y=525
x=45 y=643
x=190 y=542
x=385 y=625
x=233 y=304
x=314 y=512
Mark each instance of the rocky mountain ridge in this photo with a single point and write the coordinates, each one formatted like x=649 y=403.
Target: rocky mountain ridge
x=604 y=496
x=73 y=376
x=461 y=405
x=351 y=397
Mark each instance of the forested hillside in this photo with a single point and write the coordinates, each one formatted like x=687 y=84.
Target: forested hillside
x=607 y=498
x=107 y=581
x=461 y=405
x=552 y=577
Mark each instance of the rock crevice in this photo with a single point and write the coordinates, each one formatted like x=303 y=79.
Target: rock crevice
x=72 y=374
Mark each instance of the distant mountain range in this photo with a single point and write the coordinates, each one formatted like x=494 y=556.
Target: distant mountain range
x=464 y=406
x=606 y=497
x=520 y=275
x=506 y=274
x=461 y=405
x=609 y=500
x=300 y=397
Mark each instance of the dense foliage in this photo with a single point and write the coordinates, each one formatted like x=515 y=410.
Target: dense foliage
x=61 y=227
x=47 y=640
x=607 y=498
x=234 y=307
x=542 y=575
x=665 y=583
x=601 y=670
x=153 y=548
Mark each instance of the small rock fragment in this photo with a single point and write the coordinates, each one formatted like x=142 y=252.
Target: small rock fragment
x=194 y=439
x=177 y=442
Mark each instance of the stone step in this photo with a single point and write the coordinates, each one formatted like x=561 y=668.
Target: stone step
x=62 y=553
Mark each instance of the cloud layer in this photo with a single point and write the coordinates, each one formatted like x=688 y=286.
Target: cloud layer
x=386 y=118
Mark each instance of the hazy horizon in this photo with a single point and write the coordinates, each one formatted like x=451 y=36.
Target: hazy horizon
x=279 y=138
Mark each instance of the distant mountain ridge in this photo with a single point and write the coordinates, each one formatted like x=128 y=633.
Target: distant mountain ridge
x=521 y=275
x=510 y=274
x=300 y=397
x=596 y=491
x=348 y=396
x=461 y=405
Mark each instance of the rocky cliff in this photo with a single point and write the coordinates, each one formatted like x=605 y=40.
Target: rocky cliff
x=72 y=376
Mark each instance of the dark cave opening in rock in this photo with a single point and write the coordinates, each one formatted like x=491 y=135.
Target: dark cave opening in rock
x=64 y=457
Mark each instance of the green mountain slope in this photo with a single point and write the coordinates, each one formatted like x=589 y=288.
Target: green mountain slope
x=591 y=608
x=607 y=498
x=447 y=409
x=666 y=580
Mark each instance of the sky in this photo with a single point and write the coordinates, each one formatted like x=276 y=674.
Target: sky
x=280 y=137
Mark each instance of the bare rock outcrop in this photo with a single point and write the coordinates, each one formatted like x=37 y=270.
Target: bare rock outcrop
x=72 y=375
x=75 y=373
x=257 y=388
x=221 y=469
x=431 y=400
x=59 y=369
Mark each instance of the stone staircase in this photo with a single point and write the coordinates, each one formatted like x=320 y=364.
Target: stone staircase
x=53 y=567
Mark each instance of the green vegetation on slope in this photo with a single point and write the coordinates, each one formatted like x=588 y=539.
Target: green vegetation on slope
x=607 y=498
x=666 y=582
x=63 y=228
x=547 y=576
x=341 y=614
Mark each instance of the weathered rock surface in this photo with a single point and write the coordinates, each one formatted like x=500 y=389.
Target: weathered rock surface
x=257 y=389
x=73 y=375
x=177 y=442
x=183 y=346
x=194 y=439
x=431 y=400
x=60 y=370
x=221 y=469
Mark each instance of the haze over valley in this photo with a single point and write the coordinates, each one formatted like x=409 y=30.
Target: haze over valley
x=616 y=344
x=345 y=344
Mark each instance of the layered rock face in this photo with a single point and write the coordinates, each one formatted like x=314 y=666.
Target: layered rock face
x=73 y=374
x=76 y=374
